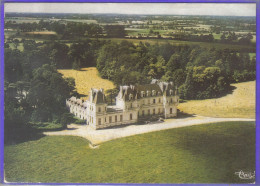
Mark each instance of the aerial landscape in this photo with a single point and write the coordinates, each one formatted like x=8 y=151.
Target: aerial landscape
x=145 y=96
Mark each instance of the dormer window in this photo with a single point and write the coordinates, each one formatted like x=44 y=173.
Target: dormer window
x=154 y=93
x=148 y=93
x=130 y=96
x=171 y=92
x=142 y=94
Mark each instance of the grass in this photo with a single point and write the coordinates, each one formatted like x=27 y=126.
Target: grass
x=87 y=78
x=209 y=153
x=20 y=46
x=239 y=104
x=251 y=55
x=41 y=33
x=46 y=126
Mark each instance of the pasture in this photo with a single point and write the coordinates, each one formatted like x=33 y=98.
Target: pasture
x=87 y=78
x=209 y=153
x=239 y=104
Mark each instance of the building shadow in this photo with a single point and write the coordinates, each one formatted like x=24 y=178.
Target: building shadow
x=182 y=115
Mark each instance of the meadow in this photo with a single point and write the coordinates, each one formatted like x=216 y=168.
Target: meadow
x=87 y=78
x=239 y=104
x=209 y=153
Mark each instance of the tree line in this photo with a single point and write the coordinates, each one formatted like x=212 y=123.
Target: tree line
x=198 y=72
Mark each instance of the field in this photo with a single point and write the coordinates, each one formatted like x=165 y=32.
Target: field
x=87 y=78
x=239 y=104
x=41 y=33
x=208 y=153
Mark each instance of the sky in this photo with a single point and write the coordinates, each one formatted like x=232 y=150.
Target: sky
x=219 y=9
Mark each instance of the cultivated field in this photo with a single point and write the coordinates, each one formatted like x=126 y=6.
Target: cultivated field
x=240 y=104
x=208 y=153
x=87 y=78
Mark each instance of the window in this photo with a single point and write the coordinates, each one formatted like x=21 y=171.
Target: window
x=130 y=96
x=105 y=119
x=142 y=94
x=148 y=101
x=110 y=119
x=148 y=111
x=153 y=93
x=115 y=118
x=170 y=110
x=171 y=100
x=159 y=100
x=99 y=121
x=159 y=111
x=153 y=100
x=121 y=117
x=131 y=105
x=131 y=116
x=154 y=111
x=99 y=109
x=143 y=112
x=171 y=92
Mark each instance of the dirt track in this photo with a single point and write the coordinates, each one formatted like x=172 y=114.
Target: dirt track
x=100 y=136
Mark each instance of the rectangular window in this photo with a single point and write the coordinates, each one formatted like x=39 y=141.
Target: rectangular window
x=159 y=111
x=148 y=111
x=110 y=119
x=154 y=111
x=121 y=117
x=143 y=112
x=131 y=116
x=105 y=119
x=159 y=100
x=170 y=110
x=153 y=100
x=99 y=121
x=148 y=101
x=115 y=118
x=99 y=109
x=131 y=105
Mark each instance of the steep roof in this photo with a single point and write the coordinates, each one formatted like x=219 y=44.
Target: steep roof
x=148 y=90
x=97 y=96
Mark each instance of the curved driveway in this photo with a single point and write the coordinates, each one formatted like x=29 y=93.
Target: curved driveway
x=100 y=136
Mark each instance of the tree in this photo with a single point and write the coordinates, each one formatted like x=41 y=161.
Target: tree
x=174 y=63
x=47 y=94
x=112 y=93
x=16 y=43
x=116 y=31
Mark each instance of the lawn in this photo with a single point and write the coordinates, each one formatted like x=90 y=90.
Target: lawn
x=209 y=153
x=239 y=104
x=87 y=78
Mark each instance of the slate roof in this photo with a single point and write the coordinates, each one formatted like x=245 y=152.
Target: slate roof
x=98 y=96
x=156 y=87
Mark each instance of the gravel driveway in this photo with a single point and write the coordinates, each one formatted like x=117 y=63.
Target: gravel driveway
x=100 y=136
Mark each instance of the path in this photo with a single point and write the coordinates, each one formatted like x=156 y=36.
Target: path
x=100 y=136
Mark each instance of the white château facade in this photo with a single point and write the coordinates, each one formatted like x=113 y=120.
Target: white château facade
x=134 y=103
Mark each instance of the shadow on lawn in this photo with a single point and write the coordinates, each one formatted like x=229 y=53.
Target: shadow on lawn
x=230 y=145
x=19 y=135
